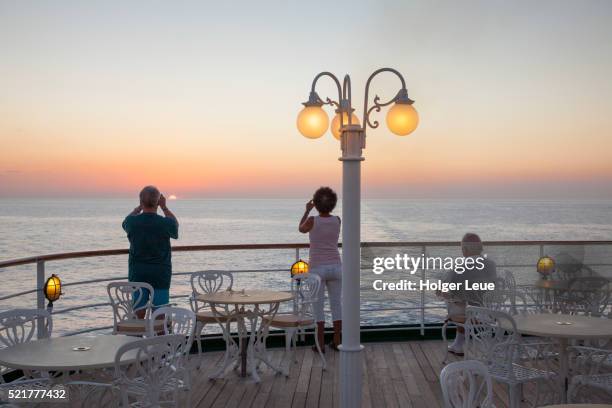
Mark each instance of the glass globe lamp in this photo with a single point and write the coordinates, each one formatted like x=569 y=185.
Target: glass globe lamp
x=336 y=123
x=402 y=119
x=312 y=122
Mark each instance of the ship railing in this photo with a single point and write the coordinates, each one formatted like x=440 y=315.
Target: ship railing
x=536 y=250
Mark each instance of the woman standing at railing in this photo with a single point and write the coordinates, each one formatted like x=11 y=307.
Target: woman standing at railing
x=324 y=231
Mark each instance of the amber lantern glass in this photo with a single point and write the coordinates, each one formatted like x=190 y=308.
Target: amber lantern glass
x=299 y=267
x=53 y=288
x=546 y=266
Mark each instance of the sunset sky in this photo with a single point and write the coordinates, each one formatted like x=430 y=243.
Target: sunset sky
x=200 y=98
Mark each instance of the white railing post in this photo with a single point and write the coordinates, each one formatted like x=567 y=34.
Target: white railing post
x=300 y=332
x=40 y=297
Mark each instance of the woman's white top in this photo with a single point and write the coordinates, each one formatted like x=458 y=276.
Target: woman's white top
x=324 y=241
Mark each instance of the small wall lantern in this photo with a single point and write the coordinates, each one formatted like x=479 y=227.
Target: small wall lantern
x=52 y=290
x=299 y=267
x=546 y=266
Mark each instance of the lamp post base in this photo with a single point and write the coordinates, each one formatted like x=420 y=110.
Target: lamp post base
x=351 y=366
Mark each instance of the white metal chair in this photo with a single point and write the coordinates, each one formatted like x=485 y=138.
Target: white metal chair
x=177 y=321
x=205 y=282
x=589 y=295
x=591 y=368
x=23 y=385
x=502 y=298
x=157 y=374
x=92 y=394
x=305 y=288
x=491 y=337
x=128 y=300
x=21 y=326
x=466 y=384
x=173 y=320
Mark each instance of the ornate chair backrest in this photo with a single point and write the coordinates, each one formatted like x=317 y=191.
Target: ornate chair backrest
x=466 y=384
x=490 y=336
x=153 y=371
x=21 y=325
x=128 y=298
x=590 y=360
x=504 y=296
x=176 y=320
x=589 y=295
x=208 y=282
x=305 y=288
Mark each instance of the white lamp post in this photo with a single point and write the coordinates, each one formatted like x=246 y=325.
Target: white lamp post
x=313 y=122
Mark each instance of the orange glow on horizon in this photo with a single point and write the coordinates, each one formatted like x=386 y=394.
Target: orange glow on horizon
x=92 y=104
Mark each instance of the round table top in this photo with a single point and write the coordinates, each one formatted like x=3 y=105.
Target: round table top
x=579 y=406
x=59 y=354
x=564 y=326
x=249 y=297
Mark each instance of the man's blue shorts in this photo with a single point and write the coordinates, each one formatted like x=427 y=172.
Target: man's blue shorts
x=161 y=297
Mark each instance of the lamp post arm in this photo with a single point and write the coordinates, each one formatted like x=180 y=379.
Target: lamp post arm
x=377 y=105
x=346 y=90
x=336 y=81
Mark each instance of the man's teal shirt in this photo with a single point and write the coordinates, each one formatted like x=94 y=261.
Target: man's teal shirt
x=150 y=257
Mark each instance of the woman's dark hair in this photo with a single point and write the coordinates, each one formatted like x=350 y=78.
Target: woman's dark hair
x=325 y=200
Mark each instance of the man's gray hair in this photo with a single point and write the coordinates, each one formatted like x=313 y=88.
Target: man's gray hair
x=471 y=244
x=149 y=197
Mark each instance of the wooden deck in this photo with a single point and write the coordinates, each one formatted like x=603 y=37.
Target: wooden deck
x=395 y=375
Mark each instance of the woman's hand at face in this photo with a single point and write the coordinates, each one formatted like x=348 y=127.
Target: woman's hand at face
x=309 y=206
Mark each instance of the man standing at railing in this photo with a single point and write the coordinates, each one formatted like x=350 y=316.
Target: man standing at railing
x=150 y=258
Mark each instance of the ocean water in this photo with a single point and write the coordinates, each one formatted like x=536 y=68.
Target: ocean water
x=32 y=227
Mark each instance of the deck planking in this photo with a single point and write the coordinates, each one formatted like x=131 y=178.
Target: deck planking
x=395 y=375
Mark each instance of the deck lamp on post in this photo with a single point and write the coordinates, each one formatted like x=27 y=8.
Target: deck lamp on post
x=299 y=268
x=546 y=266
x=312 y=122
x=52 y=290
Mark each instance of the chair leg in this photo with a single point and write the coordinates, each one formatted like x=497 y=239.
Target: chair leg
x=571 y=392
x=513 y=396
x=199 y=328
x=287 y=357
x=445 y=340
x=316 y=336
x=295 y=340
x=188 y=390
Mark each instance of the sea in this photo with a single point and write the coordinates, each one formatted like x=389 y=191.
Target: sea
x=30 y=227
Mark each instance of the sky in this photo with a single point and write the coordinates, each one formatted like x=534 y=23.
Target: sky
x=200 y=98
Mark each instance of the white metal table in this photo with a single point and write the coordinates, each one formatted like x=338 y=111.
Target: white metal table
x=258 y=307
x=67 y=354
x=563 y=327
